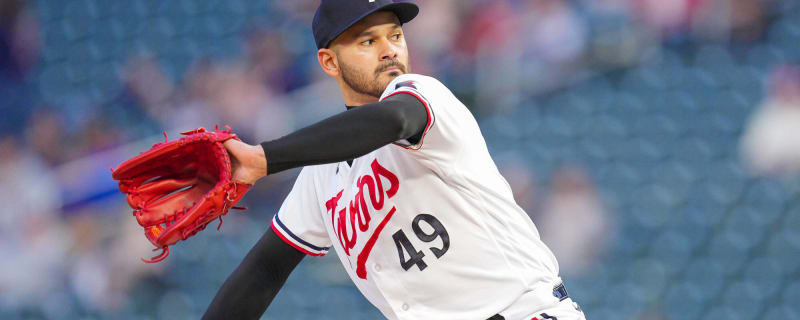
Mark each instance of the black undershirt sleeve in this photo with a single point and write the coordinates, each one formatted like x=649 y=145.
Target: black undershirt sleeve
x=249 y=290
x=350 y=134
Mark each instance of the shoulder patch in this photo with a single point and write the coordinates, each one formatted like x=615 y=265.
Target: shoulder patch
x=409 y=84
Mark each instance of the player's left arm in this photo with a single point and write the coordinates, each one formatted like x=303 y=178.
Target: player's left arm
x=249 y=290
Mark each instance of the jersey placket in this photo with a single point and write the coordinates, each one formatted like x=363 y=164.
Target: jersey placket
x=391 y=287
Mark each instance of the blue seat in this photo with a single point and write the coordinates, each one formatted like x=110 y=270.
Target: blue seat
x=791 y=294
x=642 y=79
x=672 y=249
x=779 y=244
x=766 y=196
x=788 y=311
x=625 y=299
x=720 y=312
x=742 y=232
x=767 y=274
x=682 y=296
x=765 y=56
x=707 y=273
x=729 y=247
x=175 y=304
x=744 y=298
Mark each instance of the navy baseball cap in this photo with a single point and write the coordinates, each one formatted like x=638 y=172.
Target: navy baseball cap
x=333 y=17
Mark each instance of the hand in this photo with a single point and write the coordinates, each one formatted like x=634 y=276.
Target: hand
x=247 y=162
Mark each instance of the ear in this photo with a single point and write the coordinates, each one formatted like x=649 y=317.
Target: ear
x=328 y=62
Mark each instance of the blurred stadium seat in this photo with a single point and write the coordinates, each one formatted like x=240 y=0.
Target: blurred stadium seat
x=697 y=236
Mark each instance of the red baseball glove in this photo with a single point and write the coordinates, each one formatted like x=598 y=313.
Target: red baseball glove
x=178 y=187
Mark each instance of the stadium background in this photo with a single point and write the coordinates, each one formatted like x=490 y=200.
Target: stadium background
x=619 y=124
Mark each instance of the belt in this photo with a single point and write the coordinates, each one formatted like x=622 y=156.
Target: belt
x=559 y=292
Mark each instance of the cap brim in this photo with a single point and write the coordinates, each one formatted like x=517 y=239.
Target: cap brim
x=405 y=11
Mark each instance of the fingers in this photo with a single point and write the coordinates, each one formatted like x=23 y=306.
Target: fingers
x=234 y=146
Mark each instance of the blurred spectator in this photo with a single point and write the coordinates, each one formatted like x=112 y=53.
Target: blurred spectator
x=241 y=99
x=193 y=107
x=143 y=107
x=554 y=38
x=97 y=135
x=521 y=179
x=20 y=43
x=46 y=135
x=748 y=19
x=573 y=222
x=487 y=24
x=608 y=7
x=738 y=20
x=492 y=25
x=615 y=41
x=20 y=39
x=104 y=265
x=652 y=315
x=667 y=18
x=245 y=93
x=425 y=47
x=771 y=141
x=267 y=59
x=146 y=80
x=553 y=33
x=88 y=272
x=32 y=239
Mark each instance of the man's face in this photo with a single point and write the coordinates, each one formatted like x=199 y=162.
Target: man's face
x=372 y=53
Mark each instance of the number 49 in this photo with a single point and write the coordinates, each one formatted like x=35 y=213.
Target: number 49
x=415 y=256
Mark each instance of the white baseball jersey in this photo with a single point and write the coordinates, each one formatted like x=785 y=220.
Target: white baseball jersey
x=425 y=231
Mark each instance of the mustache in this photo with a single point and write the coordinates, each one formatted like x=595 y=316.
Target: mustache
x=388 y=64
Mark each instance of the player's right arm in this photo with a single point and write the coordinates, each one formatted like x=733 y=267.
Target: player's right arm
x=249 y=290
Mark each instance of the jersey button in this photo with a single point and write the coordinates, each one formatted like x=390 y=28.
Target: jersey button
x=405 y=307
x=377 y=268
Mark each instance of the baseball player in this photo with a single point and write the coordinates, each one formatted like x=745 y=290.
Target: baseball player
x=401 y=185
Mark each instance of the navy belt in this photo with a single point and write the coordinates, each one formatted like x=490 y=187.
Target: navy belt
x=559 y=292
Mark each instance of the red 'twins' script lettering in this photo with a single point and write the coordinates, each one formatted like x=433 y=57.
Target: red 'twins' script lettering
x=360 y=209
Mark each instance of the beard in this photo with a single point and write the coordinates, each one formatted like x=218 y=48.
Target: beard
x=370 y=85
